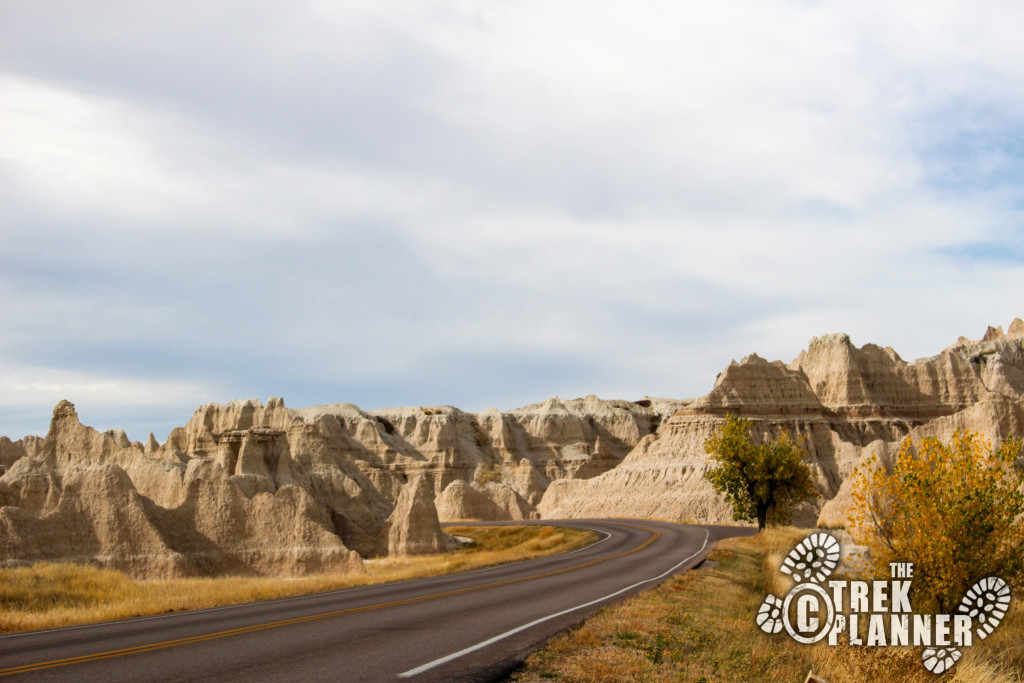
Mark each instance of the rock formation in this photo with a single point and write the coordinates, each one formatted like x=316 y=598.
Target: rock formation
x=413 y=527
x=491 y=501
x=844 y=402
x=247 y=487
x=82 y=499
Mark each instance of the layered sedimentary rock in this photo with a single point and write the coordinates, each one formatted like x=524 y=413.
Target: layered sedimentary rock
x=490 y=501
x=84 y=498
x=844 y=403
x=12 y=451
x=413 y=527
x=247 y=487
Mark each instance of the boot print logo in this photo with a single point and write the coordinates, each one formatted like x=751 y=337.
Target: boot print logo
x=876 y=613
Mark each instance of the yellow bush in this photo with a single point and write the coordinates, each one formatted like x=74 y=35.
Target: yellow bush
x=953 y=510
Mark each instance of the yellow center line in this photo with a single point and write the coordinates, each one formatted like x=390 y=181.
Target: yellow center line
x=315 y=617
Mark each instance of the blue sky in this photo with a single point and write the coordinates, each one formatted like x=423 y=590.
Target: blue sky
x=489 y=203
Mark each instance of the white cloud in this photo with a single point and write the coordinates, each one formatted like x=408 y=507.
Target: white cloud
x=141 y=404
x=338 y=196
x=27 y=385
x=87 y=152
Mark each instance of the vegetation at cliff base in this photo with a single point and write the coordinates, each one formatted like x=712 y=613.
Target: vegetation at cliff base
x=699 y=626
x=954 y=510
x=47 y=595
x=763 y=482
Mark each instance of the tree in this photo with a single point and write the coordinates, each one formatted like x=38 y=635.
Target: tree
x=953 y=510
x=762 y=482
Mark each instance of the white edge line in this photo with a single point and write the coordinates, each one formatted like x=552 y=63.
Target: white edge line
x=490 y=641
x=309 y=596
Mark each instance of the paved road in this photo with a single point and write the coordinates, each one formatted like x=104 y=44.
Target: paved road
x=474 y=626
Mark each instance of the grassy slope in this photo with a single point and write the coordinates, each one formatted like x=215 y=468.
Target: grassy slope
x=52 y=595
x=699 y=626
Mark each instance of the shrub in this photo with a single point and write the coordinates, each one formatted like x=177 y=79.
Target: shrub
x=953 y=510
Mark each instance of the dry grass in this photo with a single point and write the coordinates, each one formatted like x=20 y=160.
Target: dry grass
x=699 y=626
x=53 y=595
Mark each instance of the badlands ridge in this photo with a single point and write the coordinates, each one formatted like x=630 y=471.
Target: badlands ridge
x=265 y=489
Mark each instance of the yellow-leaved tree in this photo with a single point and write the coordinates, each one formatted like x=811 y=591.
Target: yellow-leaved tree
x=954 y=510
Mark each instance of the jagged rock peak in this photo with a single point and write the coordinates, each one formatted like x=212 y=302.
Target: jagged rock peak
x=831 y=340
x=1014 y=331
x=65 y=410
x=239 y=414
x=755 y=385
x=993 y=333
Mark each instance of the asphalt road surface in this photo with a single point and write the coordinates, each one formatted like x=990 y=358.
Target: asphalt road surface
x=473 y=626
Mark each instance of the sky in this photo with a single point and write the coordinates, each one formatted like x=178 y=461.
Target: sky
x=479 y=203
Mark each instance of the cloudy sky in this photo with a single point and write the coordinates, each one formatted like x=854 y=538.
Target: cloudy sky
x=489 y=203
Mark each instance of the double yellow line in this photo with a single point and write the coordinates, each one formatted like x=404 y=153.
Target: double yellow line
x=24 y=668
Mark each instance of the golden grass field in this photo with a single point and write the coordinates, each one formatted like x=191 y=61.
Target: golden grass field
x=53 y=595
x=699 y=626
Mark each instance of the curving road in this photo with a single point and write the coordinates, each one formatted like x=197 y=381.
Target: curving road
x=473 y=626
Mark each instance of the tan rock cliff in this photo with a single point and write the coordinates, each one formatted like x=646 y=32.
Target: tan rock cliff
x=248 y=487
x=844 y=402
x=275 y=490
